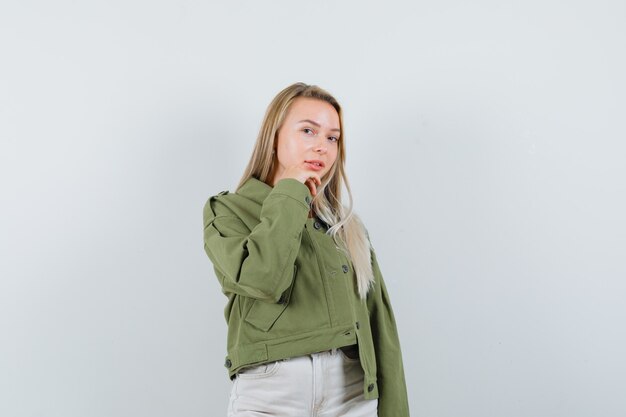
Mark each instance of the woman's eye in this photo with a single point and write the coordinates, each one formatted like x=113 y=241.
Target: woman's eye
x=333 y=138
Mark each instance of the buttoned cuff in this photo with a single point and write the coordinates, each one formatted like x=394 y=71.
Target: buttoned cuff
x=293 y=188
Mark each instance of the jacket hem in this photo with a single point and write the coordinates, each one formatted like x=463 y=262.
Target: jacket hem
x=301 y=344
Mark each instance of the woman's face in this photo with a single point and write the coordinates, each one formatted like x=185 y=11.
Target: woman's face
x=310 y=131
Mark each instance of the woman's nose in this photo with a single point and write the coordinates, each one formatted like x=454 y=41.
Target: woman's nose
x=320 y=146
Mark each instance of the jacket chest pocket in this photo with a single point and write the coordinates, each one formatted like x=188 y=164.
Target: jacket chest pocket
x=263 y=314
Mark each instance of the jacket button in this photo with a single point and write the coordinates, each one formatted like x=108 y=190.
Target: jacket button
x=345 y=268
x=357 y=324
x=370 y=388
x=228 y=363
x=307 y=199
x=317 y=225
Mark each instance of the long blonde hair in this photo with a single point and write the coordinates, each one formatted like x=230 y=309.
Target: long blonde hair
x=345 y=226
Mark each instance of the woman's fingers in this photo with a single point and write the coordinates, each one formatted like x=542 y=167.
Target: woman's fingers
x=306 y=175
x=310 y=182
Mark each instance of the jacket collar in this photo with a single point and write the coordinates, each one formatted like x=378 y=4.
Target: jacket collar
x=255 y=190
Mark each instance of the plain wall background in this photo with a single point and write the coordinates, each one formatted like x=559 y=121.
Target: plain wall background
x=486 y=148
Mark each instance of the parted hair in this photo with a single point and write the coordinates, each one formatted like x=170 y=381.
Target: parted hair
x=345 y=226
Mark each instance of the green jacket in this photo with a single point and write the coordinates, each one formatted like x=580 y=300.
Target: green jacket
x=291 y=291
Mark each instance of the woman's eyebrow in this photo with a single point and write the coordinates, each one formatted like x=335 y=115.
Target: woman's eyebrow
x=316 y=124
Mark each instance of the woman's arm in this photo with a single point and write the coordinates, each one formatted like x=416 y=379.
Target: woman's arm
x=258 y=263
x=392 y=391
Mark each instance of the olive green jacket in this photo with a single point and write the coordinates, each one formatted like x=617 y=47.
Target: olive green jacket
x=291 y=291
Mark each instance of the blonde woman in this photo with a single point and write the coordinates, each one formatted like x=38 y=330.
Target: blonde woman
x=311 y=331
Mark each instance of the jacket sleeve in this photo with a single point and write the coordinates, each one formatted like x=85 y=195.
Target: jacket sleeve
x=257 y=263
x=392 y=390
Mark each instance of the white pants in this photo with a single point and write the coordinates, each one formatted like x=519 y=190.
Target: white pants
x=322 y=384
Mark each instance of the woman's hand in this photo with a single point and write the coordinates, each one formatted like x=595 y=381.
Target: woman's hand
x=303 y=173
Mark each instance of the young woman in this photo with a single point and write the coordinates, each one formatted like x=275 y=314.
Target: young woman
x=311 y=331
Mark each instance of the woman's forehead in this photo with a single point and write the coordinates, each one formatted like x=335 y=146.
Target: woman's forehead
x=316 y=112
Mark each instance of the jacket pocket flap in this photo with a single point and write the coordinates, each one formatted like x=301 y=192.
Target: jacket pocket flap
x=263 y=315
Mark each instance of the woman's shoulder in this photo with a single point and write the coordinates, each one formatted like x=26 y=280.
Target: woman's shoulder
x=219 y=205
x=227 y=203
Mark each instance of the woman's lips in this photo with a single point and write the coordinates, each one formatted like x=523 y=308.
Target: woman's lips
x=314 y=167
